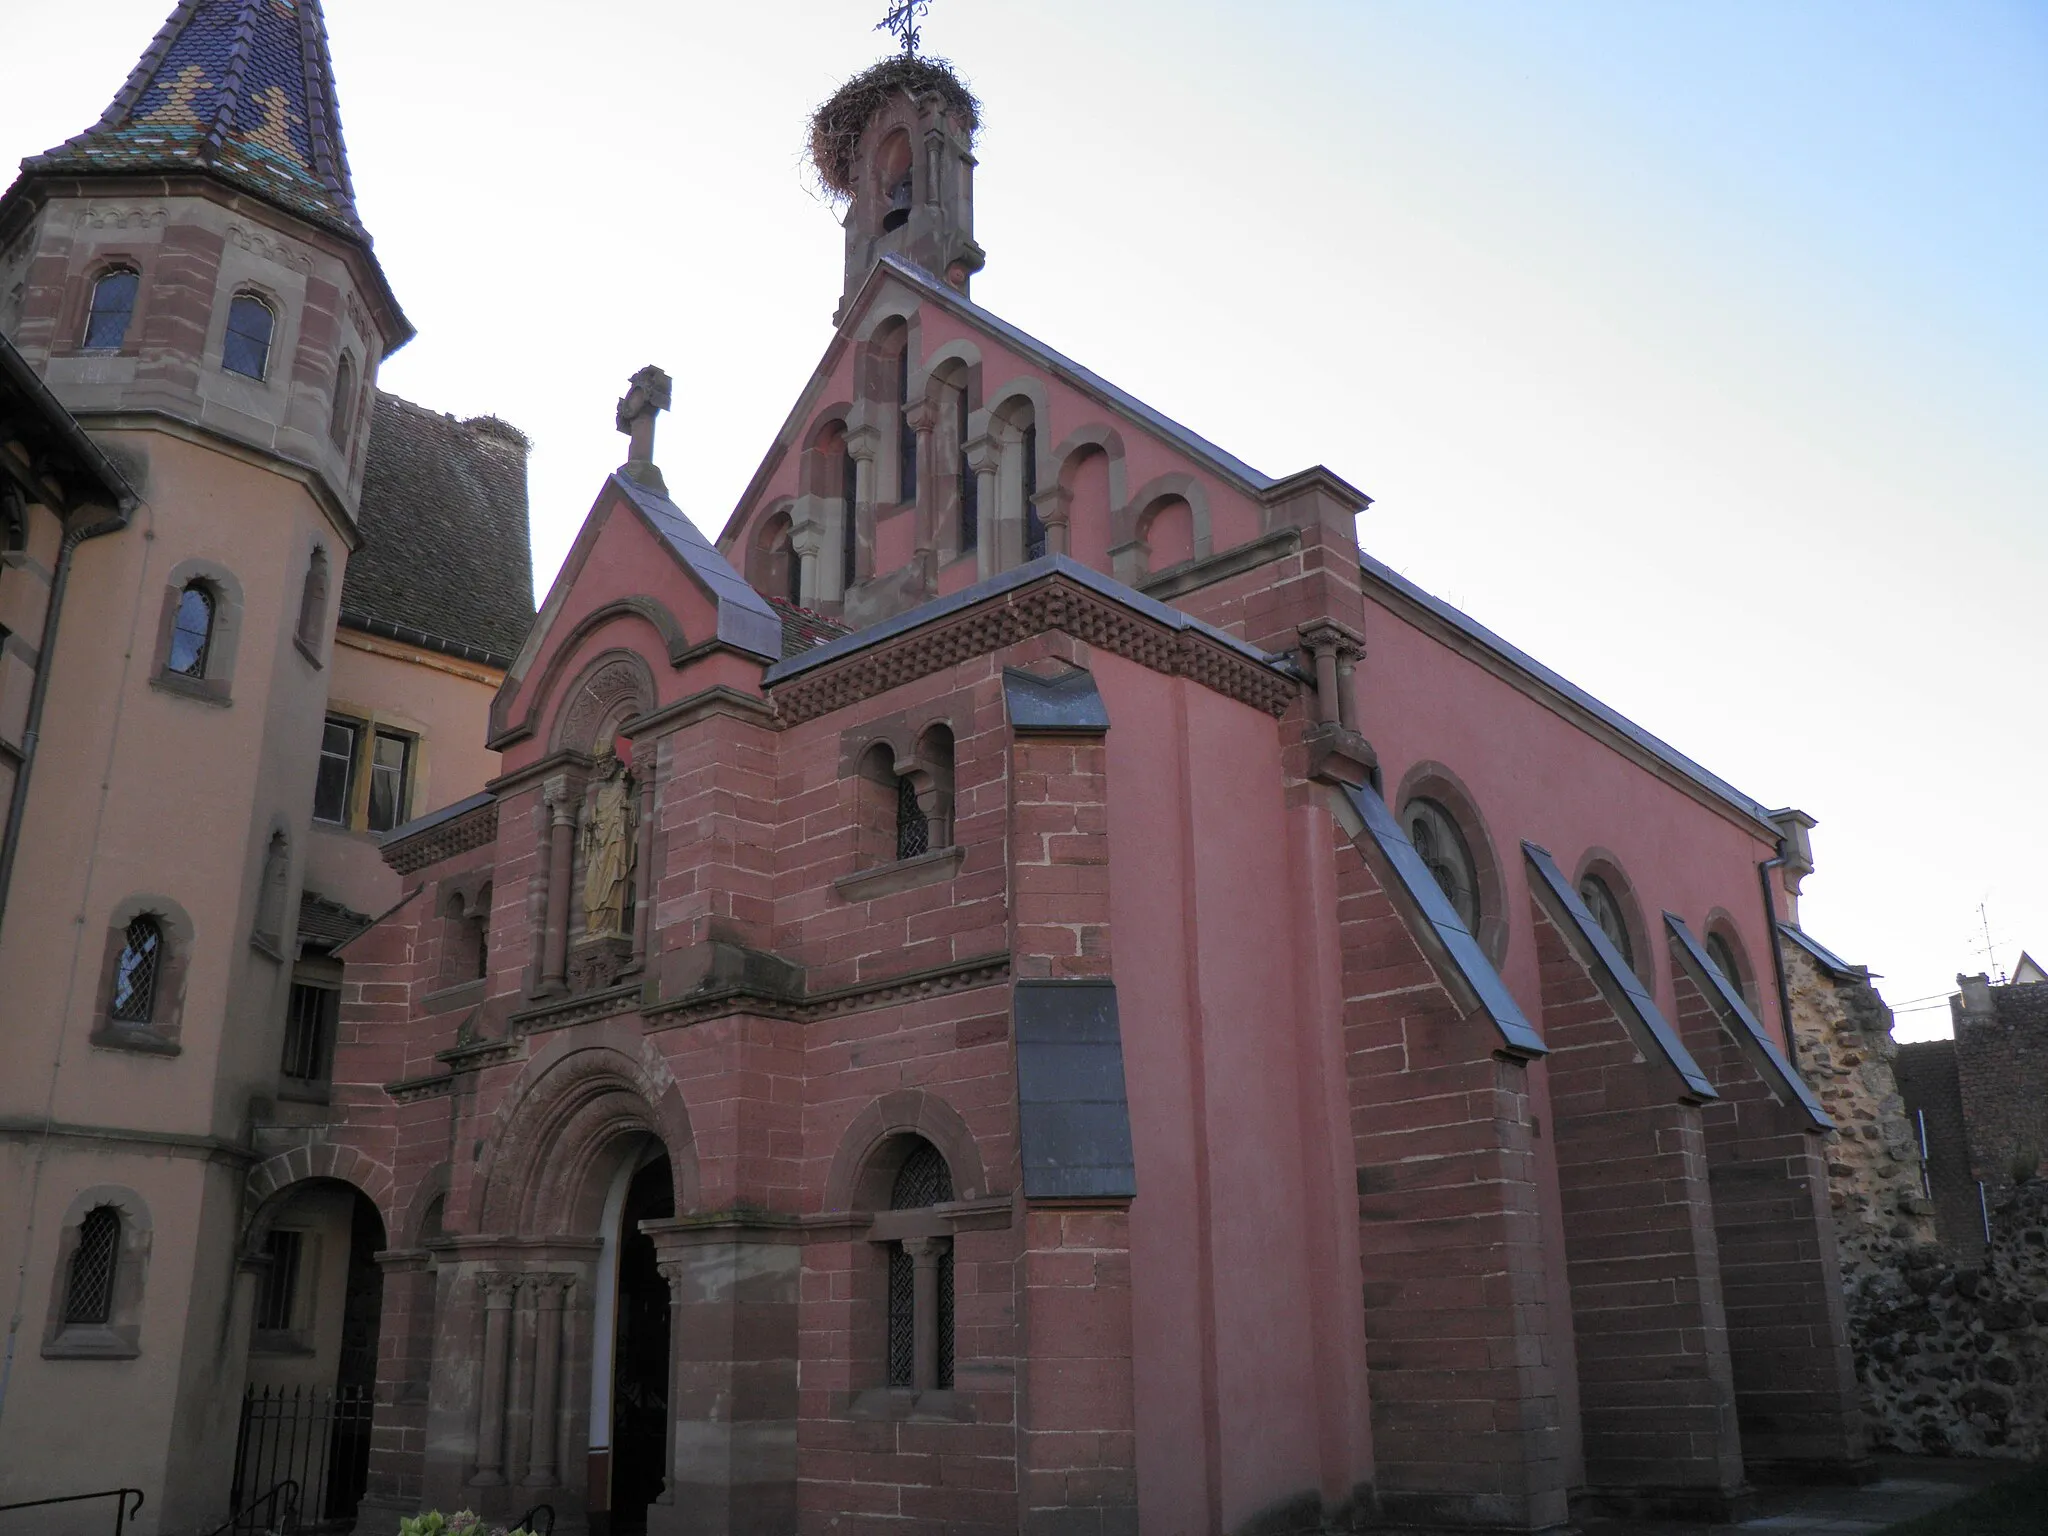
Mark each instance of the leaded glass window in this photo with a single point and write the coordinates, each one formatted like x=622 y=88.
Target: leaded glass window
x=113 y=306
x=137 y=970
x=913 y=827
x=1443 y=848
x=192 y=632
x=390 y=756
x=922 y=1181
x=337 y=771
x=1600 y=900
x=89 y=1288
x=246 y=347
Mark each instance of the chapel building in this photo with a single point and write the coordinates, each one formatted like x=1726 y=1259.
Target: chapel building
x=1032 y=985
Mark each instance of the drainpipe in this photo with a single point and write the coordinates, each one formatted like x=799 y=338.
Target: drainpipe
x=39 y=691
x=1763 y=875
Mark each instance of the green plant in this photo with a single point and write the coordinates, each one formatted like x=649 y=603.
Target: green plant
x=464 y=1522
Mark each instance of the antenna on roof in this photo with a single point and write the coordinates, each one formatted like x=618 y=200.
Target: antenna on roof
x=901 y=20
x=1988 y=949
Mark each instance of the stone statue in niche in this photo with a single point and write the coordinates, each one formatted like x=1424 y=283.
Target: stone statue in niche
x=608 y=852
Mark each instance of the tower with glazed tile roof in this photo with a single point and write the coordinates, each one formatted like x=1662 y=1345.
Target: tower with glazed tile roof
x=216 y=174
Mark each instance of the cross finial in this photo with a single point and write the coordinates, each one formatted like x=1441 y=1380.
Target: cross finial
x=647 y=394
x=901 y=20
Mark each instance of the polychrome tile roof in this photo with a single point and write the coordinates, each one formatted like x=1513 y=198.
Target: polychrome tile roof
x=242 y=90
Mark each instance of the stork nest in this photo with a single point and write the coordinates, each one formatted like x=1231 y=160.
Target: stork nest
x=837 y=125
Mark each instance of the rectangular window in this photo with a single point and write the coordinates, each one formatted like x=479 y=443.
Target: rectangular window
x=280 y=1285
x=310 y=1019
x=390 y=759
x=337 y=771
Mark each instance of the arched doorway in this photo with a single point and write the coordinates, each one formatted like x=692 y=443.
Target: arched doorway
x=306 y=1413
x=631 y=1375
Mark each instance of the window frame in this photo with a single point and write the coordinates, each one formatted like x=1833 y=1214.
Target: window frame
x=230 y=334
x=117 y=1336
x=356 y=729
x=324 y=1029
x=86 y=343
x=402 y=795
x=291 y=1254
x=210 y=678
x=158 y=1033
x=194 y=668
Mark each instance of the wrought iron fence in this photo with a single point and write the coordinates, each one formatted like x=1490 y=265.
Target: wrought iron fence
x=315 y=1437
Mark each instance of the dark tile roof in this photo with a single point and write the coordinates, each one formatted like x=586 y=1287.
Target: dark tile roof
x=446 y=560
x=238 y=89
x=29 y=411
x=325 y=924
x=802 y=629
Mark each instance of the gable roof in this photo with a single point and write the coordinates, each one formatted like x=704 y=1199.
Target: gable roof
x=446 y=561
x=1225 y=465
x=242 y=90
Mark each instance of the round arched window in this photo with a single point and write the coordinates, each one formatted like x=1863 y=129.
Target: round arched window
x=1601 y=901
x=1722 y=953
x=1436 y=837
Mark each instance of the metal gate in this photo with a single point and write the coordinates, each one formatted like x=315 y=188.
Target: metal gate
x=315 y=1437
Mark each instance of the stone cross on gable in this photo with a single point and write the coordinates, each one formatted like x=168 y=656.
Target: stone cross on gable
x=648 y=393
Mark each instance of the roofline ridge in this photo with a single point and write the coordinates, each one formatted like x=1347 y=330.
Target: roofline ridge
x=230 y=105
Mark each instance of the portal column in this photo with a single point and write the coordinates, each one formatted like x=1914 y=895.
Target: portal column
x=924 y=1259
x=985 y=458
x=551 y=1291
x=863 y=443
x=499 y=1291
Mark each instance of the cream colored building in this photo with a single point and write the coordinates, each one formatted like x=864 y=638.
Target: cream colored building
x=252 y=615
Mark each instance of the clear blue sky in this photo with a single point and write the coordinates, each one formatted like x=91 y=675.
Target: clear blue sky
x=1696 y=348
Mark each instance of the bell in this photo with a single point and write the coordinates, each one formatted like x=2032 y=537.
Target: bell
x=898 y=212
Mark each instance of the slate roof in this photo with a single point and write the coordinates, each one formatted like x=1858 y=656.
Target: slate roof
x=802 y=629
x=238 y=89
x=446 y=561
x=325 y=924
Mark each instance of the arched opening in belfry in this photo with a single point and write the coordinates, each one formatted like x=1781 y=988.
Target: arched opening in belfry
x=318 y=1308
x=630 y=1379
x=892 y=175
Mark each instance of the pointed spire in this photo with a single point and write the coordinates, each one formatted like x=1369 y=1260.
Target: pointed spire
x=242 y=90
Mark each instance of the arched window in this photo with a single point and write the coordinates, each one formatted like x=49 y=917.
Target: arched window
x=1722 y=953
x=246 y=348
x=1034 y=525
x=849 y=532
x=913 y=827
x=921 y=1279
x=1437 y=838
x=344 y=401
x=192 y=631
x=137 y=971
x=313 y=600
x=906 y=435
x=113 y=306
x=89 y=1288
x=970 y=483
x=1601 y=901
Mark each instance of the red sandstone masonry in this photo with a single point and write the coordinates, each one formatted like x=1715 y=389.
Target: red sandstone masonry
x=1795 y=1391
x=1462 y=1373
x=1656 y=1391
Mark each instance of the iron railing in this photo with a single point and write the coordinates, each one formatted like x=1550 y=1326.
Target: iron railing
x=532 y=1521
x=283 y=1504
x=315 y=1438
x=124 y=1511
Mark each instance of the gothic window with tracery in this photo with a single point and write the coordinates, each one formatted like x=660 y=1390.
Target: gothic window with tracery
x=1442 y=846
x=1605 y=907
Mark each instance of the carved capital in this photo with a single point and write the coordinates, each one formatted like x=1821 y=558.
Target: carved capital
x=922 y=415
x=926 y=1249
x=551 y=1292
x=500 y=1287
x=864 y=442
x=984 y=454
x=1320 y=636
x=1053 y=504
